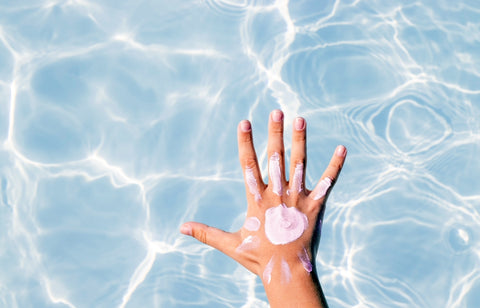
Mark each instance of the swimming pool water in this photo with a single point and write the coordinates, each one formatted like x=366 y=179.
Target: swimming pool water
x=118 y=123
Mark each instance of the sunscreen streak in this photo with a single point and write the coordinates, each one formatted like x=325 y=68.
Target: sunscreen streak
x=303 y=256
x=275 y=173
x=252 y=224
x=322 y=188
x=252 y=183
x=267 y=272
x=249 y=243
x=297 y=179
x=286 y=274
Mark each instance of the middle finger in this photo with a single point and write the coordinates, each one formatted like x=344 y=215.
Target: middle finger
x=275 y=150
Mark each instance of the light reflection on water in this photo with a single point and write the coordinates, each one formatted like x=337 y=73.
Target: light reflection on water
x=118 y=123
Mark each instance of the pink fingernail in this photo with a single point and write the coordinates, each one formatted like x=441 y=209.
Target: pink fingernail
x=341 y=151
x=277 y=116
x=299 y=123
x=245 y=126
x=186 y=229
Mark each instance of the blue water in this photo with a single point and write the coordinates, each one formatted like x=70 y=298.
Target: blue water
x=118 y=123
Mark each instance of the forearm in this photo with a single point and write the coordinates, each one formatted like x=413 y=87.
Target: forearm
x=302 y=290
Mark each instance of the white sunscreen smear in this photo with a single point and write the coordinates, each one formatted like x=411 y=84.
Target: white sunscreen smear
x=249 y=243
x=252 y=183
x=284 y=224
x=303 y=256
x=275 y=173
x=322 y=188
x=267 y=272
x=252 y=224
x=286 y=274
x=297 y=179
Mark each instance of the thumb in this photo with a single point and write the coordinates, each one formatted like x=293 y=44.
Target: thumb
x=226 y=242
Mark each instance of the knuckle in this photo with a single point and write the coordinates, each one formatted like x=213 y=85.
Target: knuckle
x=296 y=162
x=299 y=137
x=276 y=130
x=248 y=162
x=202 y=236
x=246 y=138
x=336 y=165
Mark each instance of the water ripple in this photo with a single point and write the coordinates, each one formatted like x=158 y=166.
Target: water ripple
x=118 y=123
x=233 y=8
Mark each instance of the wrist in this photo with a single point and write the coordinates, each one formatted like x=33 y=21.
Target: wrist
x=293 y=287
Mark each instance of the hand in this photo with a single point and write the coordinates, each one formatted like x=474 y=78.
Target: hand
x=279 y=237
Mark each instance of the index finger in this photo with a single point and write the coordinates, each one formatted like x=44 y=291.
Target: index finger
x=248 y=160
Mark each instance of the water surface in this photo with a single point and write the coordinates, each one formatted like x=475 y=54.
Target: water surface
x=118 y=123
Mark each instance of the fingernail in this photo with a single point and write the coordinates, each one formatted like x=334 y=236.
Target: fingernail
x=245 y=126
x=341 y=151
x=186 y=229
x=277 y=116
x=299 y=123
